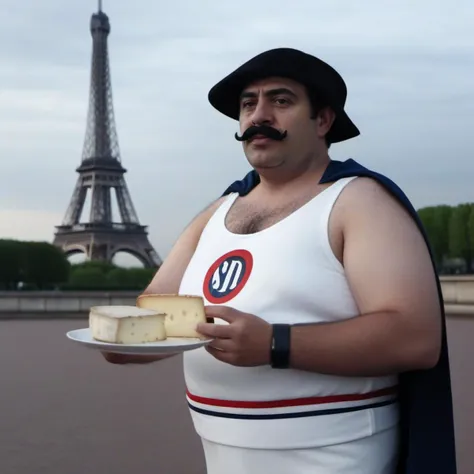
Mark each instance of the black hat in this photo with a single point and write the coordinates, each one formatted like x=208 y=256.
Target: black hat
x=321 y=80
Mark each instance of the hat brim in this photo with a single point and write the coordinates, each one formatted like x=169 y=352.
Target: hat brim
x=224 y=96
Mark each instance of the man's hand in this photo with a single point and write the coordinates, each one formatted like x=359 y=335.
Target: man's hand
x=244 y=342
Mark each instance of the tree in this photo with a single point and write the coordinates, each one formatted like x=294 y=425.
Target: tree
x=460 y=236
x=44 y=265
x=435 y=220
x=11 y=263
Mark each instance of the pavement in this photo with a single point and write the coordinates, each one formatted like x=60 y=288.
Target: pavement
x=65 y=410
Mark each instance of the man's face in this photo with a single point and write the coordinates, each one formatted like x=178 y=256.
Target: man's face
x=282 y=104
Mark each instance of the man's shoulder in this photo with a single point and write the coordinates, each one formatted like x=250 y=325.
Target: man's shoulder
x=372 y=207
x=367 y=194
x=369 y=184
x=350 y=167
x=200 y=220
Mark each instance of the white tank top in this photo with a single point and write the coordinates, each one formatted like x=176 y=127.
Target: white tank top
x=286 y=273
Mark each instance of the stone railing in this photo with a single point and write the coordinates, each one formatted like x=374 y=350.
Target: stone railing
x=458 y=292
x=58 y=304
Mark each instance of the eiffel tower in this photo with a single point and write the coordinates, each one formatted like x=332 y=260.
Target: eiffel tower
x=100 y=172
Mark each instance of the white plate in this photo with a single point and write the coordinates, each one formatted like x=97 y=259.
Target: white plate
x=172 y=344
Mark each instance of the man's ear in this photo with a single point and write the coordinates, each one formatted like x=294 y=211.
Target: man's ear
x=325 y=120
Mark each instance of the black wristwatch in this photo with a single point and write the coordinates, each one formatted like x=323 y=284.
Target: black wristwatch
x=280 y=349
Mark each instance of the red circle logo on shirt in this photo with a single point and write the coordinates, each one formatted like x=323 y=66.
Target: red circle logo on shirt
x=227 y=276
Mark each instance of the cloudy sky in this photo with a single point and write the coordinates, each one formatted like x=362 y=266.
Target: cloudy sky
x=408 y=66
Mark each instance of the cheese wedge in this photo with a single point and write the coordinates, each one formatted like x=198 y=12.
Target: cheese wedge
x=183 y=312
x=126 y=324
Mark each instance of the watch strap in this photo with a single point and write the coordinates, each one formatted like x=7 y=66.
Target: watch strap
x=280 y=349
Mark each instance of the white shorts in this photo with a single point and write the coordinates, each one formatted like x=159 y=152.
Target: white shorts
x=376 y=454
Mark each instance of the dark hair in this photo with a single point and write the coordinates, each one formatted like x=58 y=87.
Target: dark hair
x=316 y=106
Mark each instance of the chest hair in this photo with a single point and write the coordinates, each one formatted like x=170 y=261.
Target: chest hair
x=248 y=217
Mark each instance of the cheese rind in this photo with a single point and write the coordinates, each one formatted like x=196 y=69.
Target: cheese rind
x=183 y=313
x=126 y=324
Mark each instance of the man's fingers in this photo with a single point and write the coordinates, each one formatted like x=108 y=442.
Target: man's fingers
x=223 y=312
x=221 y=355
x=226 y=345
x=223 y=331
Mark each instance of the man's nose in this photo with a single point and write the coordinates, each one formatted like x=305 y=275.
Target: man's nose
x=262 y=113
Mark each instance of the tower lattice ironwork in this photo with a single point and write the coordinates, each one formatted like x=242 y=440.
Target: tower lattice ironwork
x=101 y=173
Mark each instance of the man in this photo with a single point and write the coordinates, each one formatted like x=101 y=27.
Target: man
x=329 y=347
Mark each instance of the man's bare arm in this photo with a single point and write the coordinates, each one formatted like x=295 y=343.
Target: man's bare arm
x=168 y=277
x=393 y=282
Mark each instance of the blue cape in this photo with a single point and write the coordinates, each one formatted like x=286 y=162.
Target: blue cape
x=427 y=422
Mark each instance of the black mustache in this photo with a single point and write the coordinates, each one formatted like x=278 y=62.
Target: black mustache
x=265 y=130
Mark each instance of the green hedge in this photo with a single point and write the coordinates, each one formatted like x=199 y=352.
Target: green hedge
x=39 y=265
x=450 y=230
x=104 y=276
x=43 y=266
